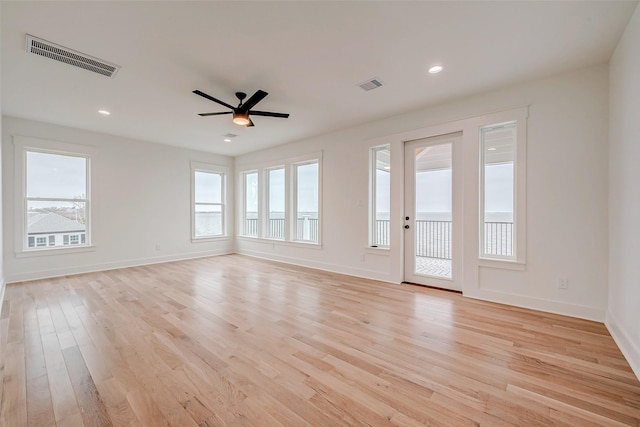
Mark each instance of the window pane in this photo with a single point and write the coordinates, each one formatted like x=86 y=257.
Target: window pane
x=251 y=204
x=208 y=220
x=208 y=187
x=382 y=196
x=55 y=219
x=276 y=203
x=307 y=201
x=498 y=152
x=56 y=176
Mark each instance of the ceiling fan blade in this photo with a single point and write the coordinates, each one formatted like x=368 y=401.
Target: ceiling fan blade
x=250 y=123
x=214 y=114
x=251 y=102
x=211 y=98
x=269 y=114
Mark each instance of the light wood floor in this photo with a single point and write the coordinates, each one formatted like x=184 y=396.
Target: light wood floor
x=233 y=340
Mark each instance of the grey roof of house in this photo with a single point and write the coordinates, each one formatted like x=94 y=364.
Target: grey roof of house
x=52 y=223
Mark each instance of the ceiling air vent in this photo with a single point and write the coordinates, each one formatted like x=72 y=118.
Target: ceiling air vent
x=70 y=56
x=370 y=85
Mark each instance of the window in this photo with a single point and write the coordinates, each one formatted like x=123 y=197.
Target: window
x=74 y=239
x=56 y=196
x=281 y=200
x=250 y=204
x=380 y=196
x=209 y=201
x=276 y=203
x=306 y=201
x=498 y=184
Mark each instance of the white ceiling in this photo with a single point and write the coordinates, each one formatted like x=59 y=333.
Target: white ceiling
x=309 y=56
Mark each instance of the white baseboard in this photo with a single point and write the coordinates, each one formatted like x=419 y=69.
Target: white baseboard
x=70 y=270
x=629 y=349
x=556 y=307
x=333 y=268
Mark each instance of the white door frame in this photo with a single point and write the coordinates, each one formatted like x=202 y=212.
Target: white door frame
x=455 y=283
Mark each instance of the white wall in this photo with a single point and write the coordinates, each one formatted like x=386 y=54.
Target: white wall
x=567 y=186
x=623 y=316
x=140 y=198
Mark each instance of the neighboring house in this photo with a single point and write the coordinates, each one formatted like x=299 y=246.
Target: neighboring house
x=52 y=229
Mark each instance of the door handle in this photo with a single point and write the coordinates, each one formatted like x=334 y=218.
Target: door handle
x=406 y=226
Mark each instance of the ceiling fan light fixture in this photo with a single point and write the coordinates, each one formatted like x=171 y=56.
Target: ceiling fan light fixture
x=241 y=119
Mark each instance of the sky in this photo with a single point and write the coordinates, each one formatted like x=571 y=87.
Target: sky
x=307 y=189
x=434 y=190
x=55 y=176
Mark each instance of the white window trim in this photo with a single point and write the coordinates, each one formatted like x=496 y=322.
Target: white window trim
x=373 y=183
x=294 y=201
x=288 y=165
x=267 y=205
x=519 y=118
x=217 y=169
x=22 y=144
x=242 y=229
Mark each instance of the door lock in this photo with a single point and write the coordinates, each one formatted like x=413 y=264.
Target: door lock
x=406 y=226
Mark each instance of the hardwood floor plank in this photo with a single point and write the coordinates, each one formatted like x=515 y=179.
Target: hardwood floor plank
x=237 y=341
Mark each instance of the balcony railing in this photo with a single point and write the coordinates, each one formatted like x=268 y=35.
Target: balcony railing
x=306 y=229
x=433 y=238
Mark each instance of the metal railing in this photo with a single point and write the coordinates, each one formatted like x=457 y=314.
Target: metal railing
x=306 y=228
x=433 y=238
x=498 y=238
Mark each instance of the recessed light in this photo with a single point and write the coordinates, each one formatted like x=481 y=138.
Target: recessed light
x=492 y=149
x=227 y=140
x=104 y=112
x=435 y=69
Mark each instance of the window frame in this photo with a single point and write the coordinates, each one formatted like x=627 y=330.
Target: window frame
x=518 y=118
x=294 y=202
x=373 y=185
x=267 y=204
x=242 y=229
x=224 y=205
x=290 y=199
x=23 y=145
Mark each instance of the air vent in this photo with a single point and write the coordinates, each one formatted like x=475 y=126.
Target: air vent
x=230 y=135
x=69 y=56
x=370 y=85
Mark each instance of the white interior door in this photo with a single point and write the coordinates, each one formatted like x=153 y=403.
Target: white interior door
x=432 y=237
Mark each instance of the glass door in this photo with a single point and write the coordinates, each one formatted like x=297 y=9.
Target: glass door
x=431 y=221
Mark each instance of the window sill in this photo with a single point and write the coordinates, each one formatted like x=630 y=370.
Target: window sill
x=54 y=251
x=280 y=242
x=378 y=250
x=503 y=264
x=209 y=239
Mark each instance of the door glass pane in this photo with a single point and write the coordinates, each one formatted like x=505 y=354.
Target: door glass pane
x=433 y=216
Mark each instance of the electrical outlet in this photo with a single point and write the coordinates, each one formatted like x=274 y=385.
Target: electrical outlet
x=157 y=247
x=362 y=256
x=563 y=283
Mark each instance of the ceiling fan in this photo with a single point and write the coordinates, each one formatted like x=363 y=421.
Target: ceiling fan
x=243 y=110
